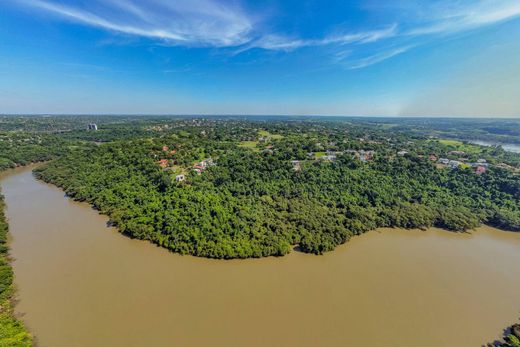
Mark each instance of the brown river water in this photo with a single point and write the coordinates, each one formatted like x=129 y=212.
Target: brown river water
x=80 y=283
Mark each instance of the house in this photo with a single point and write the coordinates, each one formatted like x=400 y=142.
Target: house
x=204 y=164
x=165 y=149
x=402 y=153
x=163 y=163
x=296 y=165
x=92 y=126
x=480 y=170
x=180 y=178
x=328 y=158
x=432 y=157
x=481 y=161
x=454 y=164
x=457 y=152
x=207 y=162
x=365 y=156
x=444 y=161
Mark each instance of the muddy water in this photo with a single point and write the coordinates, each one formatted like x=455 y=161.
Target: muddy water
x=83 y=284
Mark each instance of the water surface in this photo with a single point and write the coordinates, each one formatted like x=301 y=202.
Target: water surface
x=506 y=146
x=83 y=284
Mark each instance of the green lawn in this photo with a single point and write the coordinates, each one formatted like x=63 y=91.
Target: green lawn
x=454 y=143
x=268 y=134
x=460 y=146
x=248 y=144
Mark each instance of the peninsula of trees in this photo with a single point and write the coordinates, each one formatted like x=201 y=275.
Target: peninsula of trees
x=236 y=189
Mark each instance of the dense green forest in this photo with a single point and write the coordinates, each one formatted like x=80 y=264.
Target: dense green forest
x=24 y=148
x=279 y=184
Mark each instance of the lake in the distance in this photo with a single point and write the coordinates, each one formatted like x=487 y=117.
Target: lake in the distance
x=506 y=146
x=82 y=284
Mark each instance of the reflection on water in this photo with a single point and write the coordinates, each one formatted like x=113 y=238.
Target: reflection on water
x=83 y=284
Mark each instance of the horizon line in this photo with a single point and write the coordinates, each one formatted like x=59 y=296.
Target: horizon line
x=259 y=115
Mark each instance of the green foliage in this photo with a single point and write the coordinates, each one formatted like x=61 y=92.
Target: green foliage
x=25 y=148
x=513 y=340
x=12 y=331
x=507 y=219
x=254 y=204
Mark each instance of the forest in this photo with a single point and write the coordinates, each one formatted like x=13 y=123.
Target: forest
x=278 y=185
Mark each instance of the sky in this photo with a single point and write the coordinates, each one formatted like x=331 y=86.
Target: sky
x=307 y=57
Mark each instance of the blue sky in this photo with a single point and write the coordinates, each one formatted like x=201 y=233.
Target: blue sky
x=371 y=57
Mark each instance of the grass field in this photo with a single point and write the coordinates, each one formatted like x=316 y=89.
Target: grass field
x=460 y=146
x=454 y=143
x=248 y=144
x=268 y=134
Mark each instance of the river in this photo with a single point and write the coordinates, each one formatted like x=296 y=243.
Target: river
x=80 y=283
x=509 y=147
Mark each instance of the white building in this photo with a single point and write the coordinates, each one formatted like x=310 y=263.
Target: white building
x=296 y=165
x=454 y=164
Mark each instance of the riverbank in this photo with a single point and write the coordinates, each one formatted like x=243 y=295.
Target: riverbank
x=12 y=331
x=511 y=337
x=419 y=288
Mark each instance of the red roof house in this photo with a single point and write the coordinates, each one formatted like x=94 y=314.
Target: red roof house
x=163 y=163
x=480 y=170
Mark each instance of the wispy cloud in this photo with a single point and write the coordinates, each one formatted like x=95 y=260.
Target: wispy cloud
x=442 y=18
x=362 y=37
x=224 y=23
x=283 y=43
x=374 y=59
x=455 y=17
x=187 y=22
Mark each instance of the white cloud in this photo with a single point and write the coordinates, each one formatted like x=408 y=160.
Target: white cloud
x=456 y=17
x=276 y=42
x=223 y=23
x=361 y=37
x=195 y=22
x=376 y=58
x=279 y=42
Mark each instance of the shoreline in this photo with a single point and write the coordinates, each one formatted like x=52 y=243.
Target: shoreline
x=410 y=266
x=294 y=248
x=13 y=331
